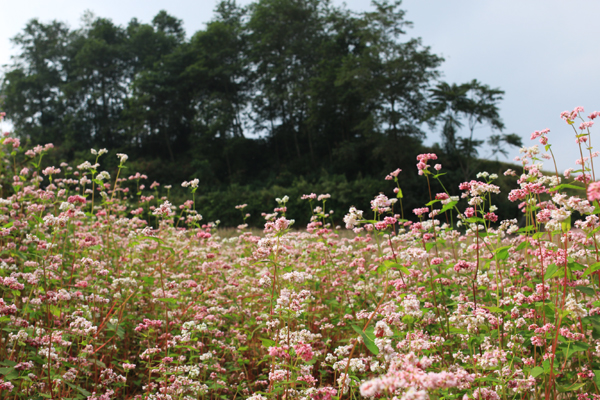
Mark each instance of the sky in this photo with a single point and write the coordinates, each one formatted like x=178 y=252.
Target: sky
x=542 y=53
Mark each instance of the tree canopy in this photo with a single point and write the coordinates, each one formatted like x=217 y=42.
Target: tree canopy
x=265 y=94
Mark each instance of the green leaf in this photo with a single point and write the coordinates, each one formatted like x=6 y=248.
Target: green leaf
x=79 y=389
x=495 y=309
x=537 y=371
x=99 y=363
x=55 y=311
x=551 y=270
x=168 y=300
x=474 y=220
x=159 y=240
x=586 y=290
x=9 y=373
x=499 y=249
x=148 y=280
x=8 y=363
x=502 y=255
x=546 y=365
x=538 y=235
x=565 y=186
x=579 y=346
x=267 y=342
x=575 y=386
x=369 y=341
x=527 y=228
x=448 y=206
x=522 y=245
x=591 y=269
x=392 y=265
x=566 y=224
x=120 y=332
x=573 y=348
x=575 y=266
x=502 y=252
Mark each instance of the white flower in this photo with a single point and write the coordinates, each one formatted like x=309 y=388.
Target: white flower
x=103 y=175
x=122 y=157
x=193 y=183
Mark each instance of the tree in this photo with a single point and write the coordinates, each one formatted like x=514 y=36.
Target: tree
x=473 y=101
x=393 y=77
x=97 y=85
x=497 y=143
x=284 y=38
x=221 y=100
x=32 y=85
x=157 y=114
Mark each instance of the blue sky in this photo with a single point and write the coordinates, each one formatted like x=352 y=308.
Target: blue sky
x=542 y=53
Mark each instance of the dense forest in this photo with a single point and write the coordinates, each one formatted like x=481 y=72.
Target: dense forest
x=277 y=97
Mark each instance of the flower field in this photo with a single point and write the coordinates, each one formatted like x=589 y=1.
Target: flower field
x=108 y=291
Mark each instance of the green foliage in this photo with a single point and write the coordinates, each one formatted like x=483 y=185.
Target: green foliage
x=275 y=92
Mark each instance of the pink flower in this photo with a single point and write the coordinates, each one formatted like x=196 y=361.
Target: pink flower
x=324 y=393
x=426 y=157
x=537 y=341
x=76 y=199
x=304 y=351
x=463 y=265
x=280 y=352
x=420 y=211
x=491 y=217
x=381 y=203
x=380 y=225
x=396 y=172
x=593 y=192
x=423 y=158
x=569 y=116
x=51 y=171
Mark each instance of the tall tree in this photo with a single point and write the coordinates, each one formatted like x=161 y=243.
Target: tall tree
x=472 y=101
x=222 y=94
x=32 y=85
x=477 y=104
x=157 y=114
x=284 y=35
x=393 y=77
x=98 y=83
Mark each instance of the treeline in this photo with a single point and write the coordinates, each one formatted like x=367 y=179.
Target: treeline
x=269 y=95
